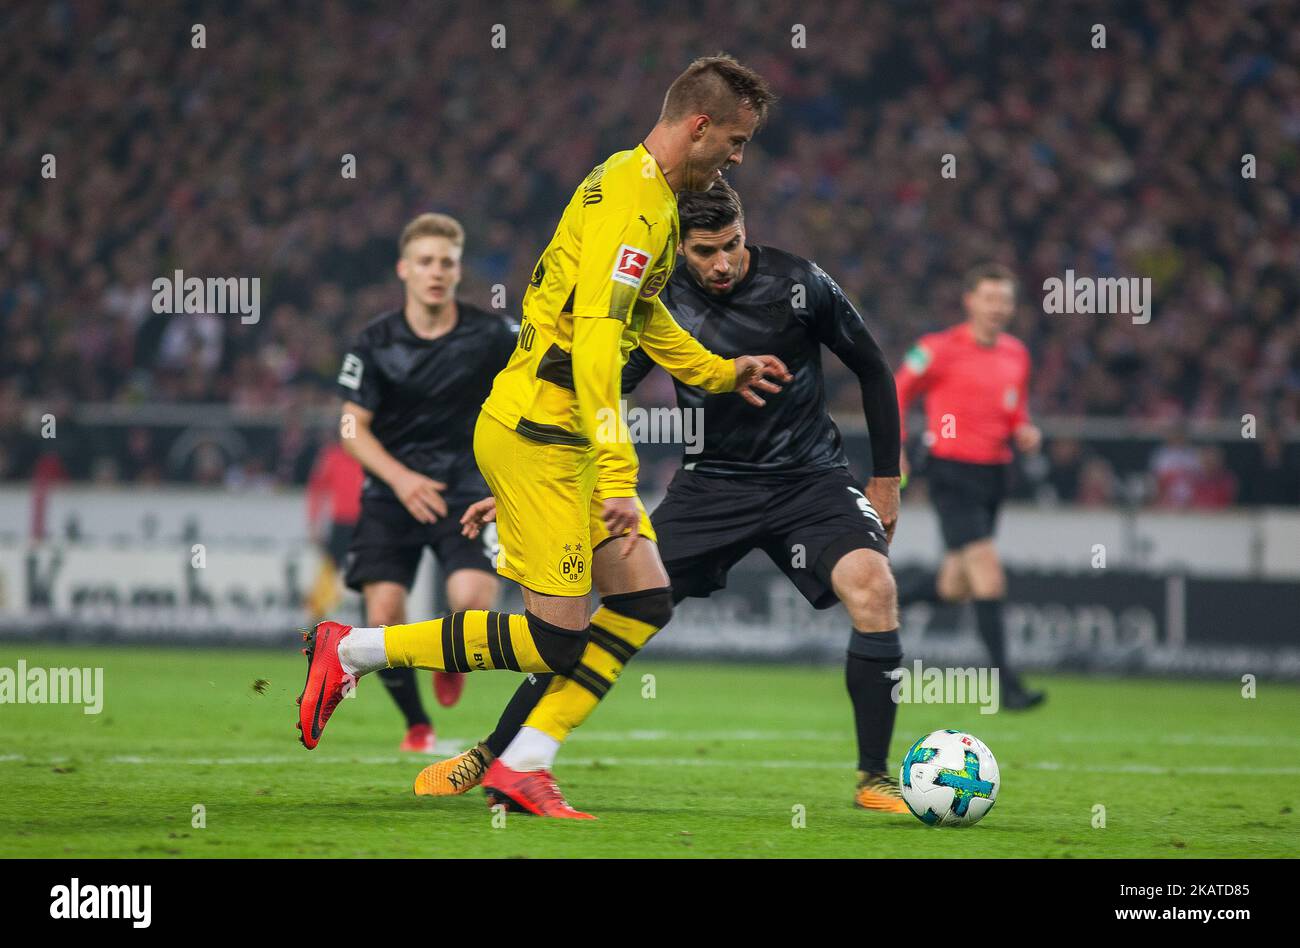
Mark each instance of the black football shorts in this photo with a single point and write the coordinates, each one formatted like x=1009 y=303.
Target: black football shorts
x=966 y=497
x=707 y=524
x=388 y=542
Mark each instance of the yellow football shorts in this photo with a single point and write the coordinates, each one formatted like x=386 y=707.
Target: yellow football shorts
x=548 y=519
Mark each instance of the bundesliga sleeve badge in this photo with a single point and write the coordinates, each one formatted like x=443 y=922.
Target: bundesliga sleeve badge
x=630 y=265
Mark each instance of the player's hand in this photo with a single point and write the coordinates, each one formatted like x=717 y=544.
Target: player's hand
x=421 y=496
x=622 y=515
x=1028 y=438
x=478 y=515
x=753 y=374
x=883 y=494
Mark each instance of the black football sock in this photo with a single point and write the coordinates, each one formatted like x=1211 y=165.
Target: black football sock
x=521 y=704
x=401 y=684
x=871 y=658
x=917 y=585
x=988 y=620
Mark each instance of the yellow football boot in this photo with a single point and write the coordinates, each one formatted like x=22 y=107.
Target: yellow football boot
x=455 y=774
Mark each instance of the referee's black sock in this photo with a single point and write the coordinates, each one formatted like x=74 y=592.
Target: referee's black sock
x=401 y=684
x=916 y=585
x=871 y=658
x=988 y=620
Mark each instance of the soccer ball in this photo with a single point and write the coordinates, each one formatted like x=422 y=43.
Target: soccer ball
x=949 y=778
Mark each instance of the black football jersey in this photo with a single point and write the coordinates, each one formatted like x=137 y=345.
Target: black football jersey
x=788 y=307
x=426 y=393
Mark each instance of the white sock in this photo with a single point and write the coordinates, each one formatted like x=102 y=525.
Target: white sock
x=362 y=651
x=531 y=750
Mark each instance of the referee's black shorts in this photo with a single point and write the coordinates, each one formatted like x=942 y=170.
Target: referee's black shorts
x=707 y=524
x=966 y=497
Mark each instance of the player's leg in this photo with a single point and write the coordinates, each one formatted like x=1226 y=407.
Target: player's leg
x=968 y=498
x=381 y=561
x=952 y=583
x=636 y=602
x=704 y=526
x=843 y=555
x=988 y=584
x=947 y=584
x=543 y=494
x=471 y=584
x=864 y=583
x=960 y=509
x=385 y=604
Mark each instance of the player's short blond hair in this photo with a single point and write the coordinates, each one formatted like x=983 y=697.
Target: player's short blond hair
x=432 y=225
x=716 y=86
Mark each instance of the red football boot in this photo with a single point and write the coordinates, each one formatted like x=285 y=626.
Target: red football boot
x=533 y=791
x=419 y=739
x=447 y=687
x=327 y=682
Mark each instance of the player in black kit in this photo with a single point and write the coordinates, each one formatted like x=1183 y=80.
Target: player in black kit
x=412 y=384
x=775 y=478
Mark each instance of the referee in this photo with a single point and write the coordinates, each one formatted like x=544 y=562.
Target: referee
x=974 y=380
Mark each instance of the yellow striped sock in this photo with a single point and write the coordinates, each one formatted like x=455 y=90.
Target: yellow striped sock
x=474 y=640
x=569 y=701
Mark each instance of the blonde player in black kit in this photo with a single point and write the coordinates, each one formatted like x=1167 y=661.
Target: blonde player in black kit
x=774 y=479
x=411 y=384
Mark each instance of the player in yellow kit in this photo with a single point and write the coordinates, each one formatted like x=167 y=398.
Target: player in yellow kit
x=553 y=449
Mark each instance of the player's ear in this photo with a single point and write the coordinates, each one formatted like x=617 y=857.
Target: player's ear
x=401 y=268
x=699 y=125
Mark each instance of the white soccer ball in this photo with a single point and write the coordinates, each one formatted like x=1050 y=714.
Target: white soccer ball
x=949 y=778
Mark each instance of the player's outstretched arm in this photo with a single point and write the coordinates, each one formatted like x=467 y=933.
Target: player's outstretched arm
x=684 y=358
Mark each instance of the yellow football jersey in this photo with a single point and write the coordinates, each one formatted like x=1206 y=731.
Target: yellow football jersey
x=592 y=299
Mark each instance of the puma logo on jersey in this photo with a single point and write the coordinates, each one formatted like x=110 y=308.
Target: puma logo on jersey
x=649 y=226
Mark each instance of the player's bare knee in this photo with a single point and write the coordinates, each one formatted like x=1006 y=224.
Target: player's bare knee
x=872 y=598
x=559 y=648
x=386 y=606
x=985 y=576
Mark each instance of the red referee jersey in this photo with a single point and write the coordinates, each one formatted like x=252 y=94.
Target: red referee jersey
x=975 y=395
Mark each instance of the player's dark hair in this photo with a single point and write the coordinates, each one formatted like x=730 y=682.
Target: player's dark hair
x=709 y=210
x=986 y=271
x=716 y=86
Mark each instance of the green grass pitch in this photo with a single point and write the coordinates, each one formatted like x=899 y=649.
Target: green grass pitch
x=716 y=763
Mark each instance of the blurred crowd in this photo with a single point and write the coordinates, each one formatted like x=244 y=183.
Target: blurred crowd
x=227 y=160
